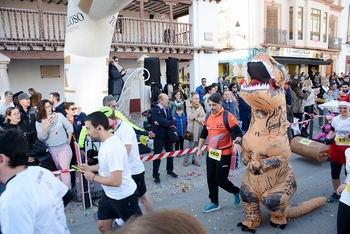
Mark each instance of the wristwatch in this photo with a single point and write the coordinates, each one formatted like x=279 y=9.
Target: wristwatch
x=237 y=142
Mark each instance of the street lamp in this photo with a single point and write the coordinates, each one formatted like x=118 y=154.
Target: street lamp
x=237 y=26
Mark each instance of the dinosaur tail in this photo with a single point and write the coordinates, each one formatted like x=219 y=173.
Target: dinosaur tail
x=304 y=207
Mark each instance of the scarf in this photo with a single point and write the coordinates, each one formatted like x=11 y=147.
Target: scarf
x=119 y=68
x=178 y=102
x=195 y=106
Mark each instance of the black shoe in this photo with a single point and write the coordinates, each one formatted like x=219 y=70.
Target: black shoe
x=157 y=180
x=172 y=174
x=245 y=228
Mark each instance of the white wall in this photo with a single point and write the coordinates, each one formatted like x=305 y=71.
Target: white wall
x=343 y=34
x=203 y=19
x=25 y=74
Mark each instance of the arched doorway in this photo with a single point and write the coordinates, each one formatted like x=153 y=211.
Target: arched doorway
x=329 y=68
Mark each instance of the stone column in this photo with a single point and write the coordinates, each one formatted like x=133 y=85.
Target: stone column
x=4 y=78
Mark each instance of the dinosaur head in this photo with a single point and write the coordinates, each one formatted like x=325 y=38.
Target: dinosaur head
x=265 y=73
x=265 y=92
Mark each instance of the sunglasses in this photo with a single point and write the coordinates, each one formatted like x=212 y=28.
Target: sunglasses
x=74 y=108
x=116 y=60
x=225 y=87
x=204 y=81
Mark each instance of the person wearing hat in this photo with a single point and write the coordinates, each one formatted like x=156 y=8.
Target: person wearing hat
x=128 y=137
x=115 y=81
x=27 y=114
x=339 y=140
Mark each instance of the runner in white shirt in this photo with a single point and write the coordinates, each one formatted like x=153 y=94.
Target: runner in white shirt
x=32 y=202
x=339 y=139
x=343 y=224
x=128 y=137
x=120 y=196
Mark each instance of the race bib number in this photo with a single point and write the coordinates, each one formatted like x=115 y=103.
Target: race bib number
x=341 y=141
x=215 y=154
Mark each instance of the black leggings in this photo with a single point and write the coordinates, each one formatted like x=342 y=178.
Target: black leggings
x=335 y=170
x=343 y=224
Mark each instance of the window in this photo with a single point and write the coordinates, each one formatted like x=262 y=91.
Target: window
x=325 y=26
x=300 y=23
x=315 y=24
x=291 y=23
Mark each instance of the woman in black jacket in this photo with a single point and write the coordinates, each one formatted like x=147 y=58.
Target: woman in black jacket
x=37 y=150
x=115 y=81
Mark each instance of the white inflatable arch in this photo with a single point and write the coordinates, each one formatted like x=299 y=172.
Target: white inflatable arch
x=89 y=31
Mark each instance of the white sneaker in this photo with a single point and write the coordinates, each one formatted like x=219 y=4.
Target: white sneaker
x=119 y=222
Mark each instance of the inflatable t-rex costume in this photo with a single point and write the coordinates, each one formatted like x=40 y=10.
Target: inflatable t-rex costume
x=269 y=178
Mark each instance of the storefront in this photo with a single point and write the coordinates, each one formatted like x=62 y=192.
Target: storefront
x=299 y=60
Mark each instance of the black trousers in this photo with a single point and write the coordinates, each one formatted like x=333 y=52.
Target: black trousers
x=179 y=145
x=159 y=143
x=343 y=224
x=217 y=173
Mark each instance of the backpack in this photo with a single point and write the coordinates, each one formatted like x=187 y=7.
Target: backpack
x=225 y=115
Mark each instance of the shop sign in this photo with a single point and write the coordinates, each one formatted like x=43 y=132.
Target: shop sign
x=293 y=52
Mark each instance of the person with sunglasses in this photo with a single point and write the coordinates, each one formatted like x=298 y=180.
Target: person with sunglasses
x=200 y=89
x=115 y=81
x=75 y=117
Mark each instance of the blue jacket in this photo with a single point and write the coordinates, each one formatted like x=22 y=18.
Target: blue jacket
x=78 y=124
x=245 y=110
x=200 y=91
x=181 y=124
x=163 y=121
x=230 y=106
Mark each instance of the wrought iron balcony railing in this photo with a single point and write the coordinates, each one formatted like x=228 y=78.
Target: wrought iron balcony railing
x=275 y=36
x=39 y=28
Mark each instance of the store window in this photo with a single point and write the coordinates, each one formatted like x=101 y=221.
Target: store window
x=291 y=23
x=325 y=26
x=300 y=23
x=315 y=24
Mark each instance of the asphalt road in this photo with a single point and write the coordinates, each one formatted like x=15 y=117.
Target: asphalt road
x=189 y=192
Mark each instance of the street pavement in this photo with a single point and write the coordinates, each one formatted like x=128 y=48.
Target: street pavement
x=189 y=192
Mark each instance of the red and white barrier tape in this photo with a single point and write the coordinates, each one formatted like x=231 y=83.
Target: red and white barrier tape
x=171 y=154
x=62 y=171
x=305 y=122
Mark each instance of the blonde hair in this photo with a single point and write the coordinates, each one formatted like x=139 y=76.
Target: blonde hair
x=308 y=82
x=163 y=221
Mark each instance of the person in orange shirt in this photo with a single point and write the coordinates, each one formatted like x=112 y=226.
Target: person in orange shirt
x=220 y=144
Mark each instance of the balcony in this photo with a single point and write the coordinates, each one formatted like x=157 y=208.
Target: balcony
x=22 y=29
x=132 y=31
x=334 y=43
x=275 y=36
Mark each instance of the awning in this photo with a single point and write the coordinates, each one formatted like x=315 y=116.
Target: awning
x=307 y=61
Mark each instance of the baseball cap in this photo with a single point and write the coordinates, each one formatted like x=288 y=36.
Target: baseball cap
x=23 y=96
x=106 y=110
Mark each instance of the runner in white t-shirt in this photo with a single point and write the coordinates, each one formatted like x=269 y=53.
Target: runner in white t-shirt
x=340 y=132
x=120 y=196
x=128 y=137
x=32 y=202
x=343 y=224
